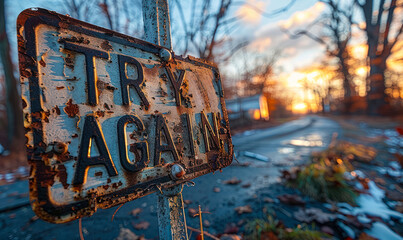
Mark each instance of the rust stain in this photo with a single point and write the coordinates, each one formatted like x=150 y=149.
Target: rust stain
x=24 y=103
x=72 y=79
x=100 y=113
x=75 y=39
x=69 y=60
x=41 y=115
x=105 y=45
x=103 y=85
x=63 y=24
x=56 y=110
x=42 y=62
x=26 y=73
x=71 y=109
x=62 y=174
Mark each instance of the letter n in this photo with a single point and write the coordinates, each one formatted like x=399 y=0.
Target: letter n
x=212 y=142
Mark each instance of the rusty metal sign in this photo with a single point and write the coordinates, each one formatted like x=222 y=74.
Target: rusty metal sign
x=109 y=118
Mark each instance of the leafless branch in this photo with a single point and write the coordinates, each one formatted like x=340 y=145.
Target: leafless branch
x=267 y=14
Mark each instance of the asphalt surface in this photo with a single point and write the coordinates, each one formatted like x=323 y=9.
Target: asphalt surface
x=269 y=151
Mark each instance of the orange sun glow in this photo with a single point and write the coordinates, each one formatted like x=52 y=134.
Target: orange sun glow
x=300 y=108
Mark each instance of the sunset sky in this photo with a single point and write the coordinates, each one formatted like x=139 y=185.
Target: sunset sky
x=298 y=59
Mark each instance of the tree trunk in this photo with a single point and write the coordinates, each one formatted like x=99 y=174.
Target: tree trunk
x=376 y=97
x=347 y=86
x=14 y=112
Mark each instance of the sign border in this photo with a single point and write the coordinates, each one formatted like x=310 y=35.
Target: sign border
x=40 y=199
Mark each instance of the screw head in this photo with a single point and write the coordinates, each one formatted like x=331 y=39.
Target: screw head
x=165 y=55
x=60 y=148
x=177 y=171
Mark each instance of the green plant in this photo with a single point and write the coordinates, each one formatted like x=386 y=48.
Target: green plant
x=303 y=234
x=323 y=179
x=256 y=227
x=324 y=183
x=271 y=228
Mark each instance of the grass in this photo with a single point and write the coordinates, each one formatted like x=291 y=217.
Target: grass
x=271 y=228
x=324 y=183
x=323 y=179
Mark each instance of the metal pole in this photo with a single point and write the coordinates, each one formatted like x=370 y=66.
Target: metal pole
x=157 y=24
x=171 y=214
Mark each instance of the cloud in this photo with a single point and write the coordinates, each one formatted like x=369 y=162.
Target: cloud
x=302 y=17
x=289 y=51
x=248 y=13
x=261 y=44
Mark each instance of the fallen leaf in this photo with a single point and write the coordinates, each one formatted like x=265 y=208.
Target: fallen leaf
x=231 y=229
x=314 y=214
x=217 y=189
x=268 y=200
x=364 y=182
x=291 y=199
x=268 y=236
x=34 y=218
x=136 y=211
x=243 y=209
x=399 y=130
x=142 y=225
x=246 y=185
x=126 y=234
x=192 y=212
x=380 y=181
x=230 y=237
x=327 y=230
x=232 y=181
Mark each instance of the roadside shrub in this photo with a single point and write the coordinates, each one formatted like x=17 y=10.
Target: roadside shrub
x=271 y=228
x=323 y=179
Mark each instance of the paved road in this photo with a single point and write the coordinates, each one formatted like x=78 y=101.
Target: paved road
x=283 y=146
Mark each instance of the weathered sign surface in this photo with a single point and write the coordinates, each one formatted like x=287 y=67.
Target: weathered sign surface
x=108 y=115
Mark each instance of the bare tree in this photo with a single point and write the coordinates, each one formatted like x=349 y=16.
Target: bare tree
x=203 y=30
x=335 y=36
x=211 y=24
x=14 y=112
x=256 y=72
x=80 y=9
x=379 y=16
x=120 y=15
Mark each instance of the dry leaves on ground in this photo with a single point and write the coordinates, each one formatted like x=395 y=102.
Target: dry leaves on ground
x=243 y=209
x=136 y=211
x=291 y=199
x=232 y=181
x=314 y=214
x=192 y=212
x=141 y=226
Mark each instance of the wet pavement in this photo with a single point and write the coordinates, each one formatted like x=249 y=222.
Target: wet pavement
x=261 y=155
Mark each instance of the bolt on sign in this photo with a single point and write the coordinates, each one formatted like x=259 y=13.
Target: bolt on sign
x=109 y=117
